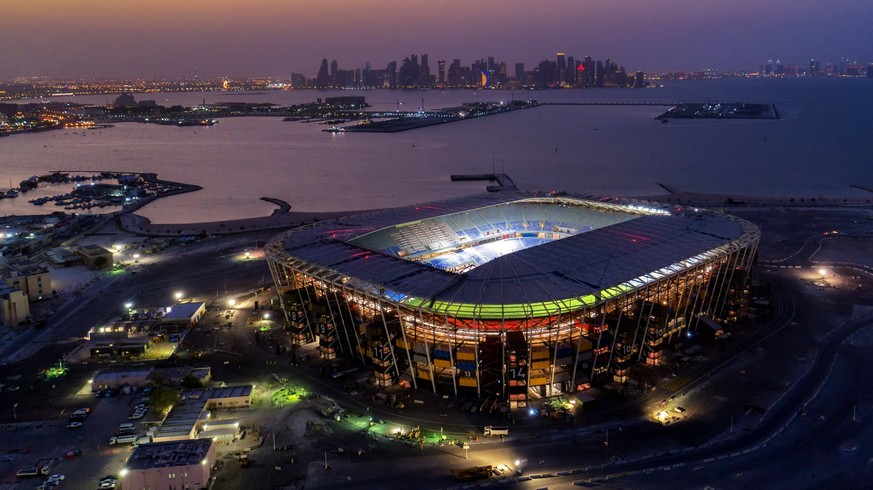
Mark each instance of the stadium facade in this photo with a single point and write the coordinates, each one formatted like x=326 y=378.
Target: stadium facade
x=509 y=294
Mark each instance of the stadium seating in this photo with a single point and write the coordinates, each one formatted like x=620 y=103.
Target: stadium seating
x=461 y=241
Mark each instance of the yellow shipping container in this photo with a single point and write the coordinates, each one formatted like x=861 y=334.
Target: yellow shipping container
x=540 y=354
x=423 y=374
x=402 y=344
x=442 y=363
x=539 y=381
x=466 y=356
x=467 y=382
x=540 y=365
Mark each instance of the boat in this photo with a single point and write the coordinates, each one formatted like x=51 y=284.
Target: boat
x=335 y=129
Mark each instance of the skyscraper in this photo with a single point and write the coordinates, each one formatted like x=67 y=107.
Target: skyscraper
x=454 y=78
x=570 y=72
x=323 y=78
x=590 y=71
x=561 y=67
x=367 y=79
x=545 y=74
x=441 y=72
x=519 y=72
x=424 y=72
x=409 y=74
x=391 y=72
x=598 y=74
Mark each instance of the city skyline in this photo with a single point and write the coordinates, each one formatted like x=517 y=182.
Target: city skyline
x=101 y=39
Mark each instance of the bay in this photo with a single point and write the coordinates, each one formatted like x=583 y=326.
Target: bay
x=819 y=147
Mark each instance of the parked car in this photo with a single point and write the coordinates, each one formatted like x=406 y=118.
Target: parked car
x=82 y=412
x=109 y=478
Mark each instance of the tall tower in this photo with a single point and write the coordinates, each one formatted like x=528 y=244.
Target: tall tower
x=570 y=71
x=424 y=72
x=391 y=69
x=454 y=78
x=441 y=72
x=562 y=67
x=323 y=78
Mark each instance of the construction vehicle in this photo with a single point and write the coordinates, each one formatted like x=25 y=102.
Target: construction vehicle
x=496 y=431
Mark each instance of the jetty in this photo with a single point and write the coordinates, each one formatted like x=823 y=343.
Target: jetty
x=504 y=182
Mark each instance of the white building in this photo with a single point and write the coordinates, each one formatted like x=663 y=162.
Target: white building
x=169 y=465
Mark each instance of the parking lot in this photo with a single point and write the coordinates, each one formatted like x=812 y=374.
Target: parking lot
x=81 y=454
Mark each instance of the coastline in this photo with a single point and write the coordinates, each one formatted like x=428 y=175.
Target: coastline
x=283 y=218
x=280 y=219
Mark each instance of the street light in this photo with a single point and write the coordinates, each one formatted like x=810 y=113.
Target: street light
x=178 y=295
x=128 y=305
x=231 y=302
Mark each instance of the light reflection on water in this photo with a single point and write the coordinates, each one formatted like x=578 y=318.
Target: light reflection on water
x=819 y=147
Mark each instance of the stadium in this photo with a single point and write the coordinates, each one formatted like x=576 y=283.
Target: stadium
x=509 y=294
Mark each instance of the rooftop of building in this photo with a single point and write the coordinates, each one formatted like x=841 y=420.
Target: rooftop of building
x=217 y=393
x=183 y=311
x=127 y=373
x=23 y=267
x=169 y=454
x=94 y=249
x=184 y=416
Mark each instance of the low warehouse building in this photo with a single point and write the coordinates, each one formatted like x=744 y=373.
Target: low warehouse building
x=194 y=411
x=114 y=380
x=185 y=314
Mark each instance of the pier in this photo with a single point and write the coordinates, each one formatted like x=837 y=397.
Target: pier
x=504 y=182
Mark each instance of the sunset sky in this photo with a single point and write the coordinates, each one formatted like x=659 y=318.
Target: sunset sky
x=161 y=38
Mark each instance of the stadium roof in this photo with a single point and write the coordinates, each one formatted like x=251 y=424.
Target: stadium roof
x=554 y=277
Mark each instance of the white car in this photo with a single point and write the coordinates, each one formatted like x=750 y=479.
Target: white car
x=74 y=425
x=56 y=477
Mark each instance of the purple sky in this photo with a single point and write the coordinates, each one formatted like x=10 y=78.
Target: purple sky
x=162 y=38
